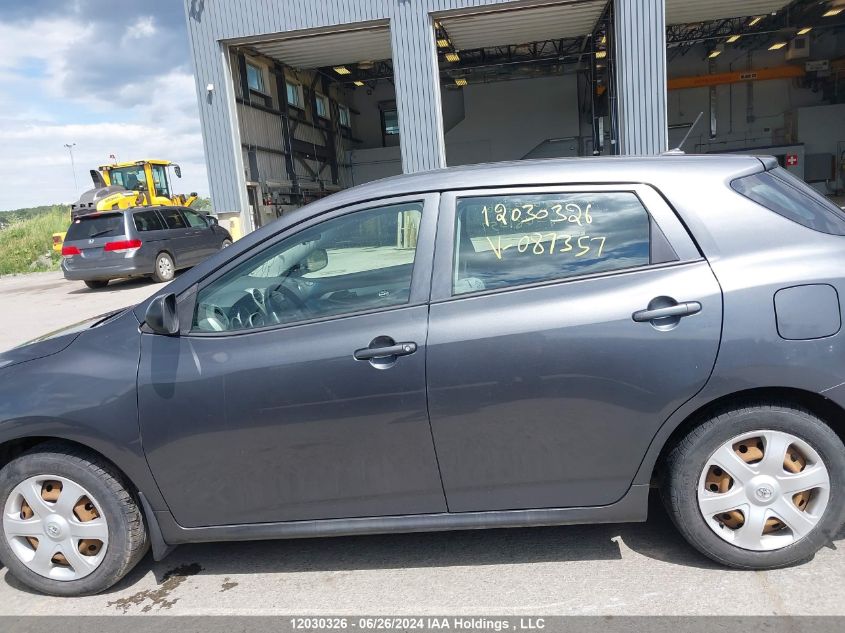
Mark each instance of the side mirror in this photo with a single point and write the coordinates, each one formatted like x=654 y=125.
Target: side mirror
x=177 y=170
x=317 y=260
x=212 y=220
x=161 y=316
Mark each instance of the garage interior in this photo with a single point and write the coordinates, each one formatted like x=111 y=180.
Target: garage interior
x=317 y=112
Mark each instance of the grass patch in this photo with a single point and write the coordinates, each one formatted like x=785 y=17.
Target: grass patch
x=26 y=240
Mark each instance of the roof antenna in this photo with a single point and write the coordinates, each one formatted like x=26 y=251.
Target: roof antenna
x=678 y=151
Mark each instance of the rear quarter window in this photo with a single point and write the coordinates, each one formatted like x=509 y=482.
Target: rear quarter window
x=784 y=194
x=88 y=227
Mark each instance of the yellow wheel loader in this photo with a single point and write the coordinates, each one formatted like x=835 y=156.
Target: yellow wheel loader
x=123 y=185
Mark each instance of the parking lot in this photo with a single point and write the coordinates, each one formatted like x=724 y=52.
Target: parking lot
x=636 y=569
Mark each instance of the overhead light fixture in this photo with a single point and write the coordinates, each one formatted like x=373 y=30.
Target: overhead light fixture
x=755 y=21
x=342 y=70
x=601 y=54
x=832 y=12
x=461 y=81
x=733 y=38
x=805 y=30
x=358 y=83
x=442 y=43
x=777 y=46
x=453 y=57
x=714 y=53
x=604 y=39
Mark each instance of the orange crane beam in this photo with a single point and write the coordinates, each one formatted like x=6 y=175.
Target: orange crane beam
x=719 y=79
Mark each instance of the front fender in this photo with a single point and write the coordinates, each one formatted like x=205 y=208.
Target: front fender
x=86 y=394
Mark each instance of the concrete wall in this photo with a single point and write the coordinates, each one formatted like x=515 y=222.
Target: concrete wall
x=506 y=120
x=490 y=122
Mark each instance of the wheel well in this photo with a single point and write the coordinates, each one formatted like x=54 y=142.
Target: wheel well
x=11 y=449
x=831 y=413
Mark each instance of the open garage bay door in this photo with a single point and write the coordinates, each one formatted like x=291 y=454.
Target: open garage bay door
x=689 y=11
x=314 y=50
x=498 y=26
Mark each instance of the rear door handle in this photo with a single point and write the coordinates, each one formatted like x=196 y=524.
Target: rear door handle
x=399 y=349
x=687 y=308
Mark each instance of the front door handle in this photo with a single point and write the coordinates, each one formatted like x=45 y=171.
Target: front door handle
x=687 y=308
x=397 y=349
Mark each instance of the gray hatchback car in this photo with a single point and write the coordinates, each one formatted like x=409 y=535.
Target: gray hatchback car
x=142 y=241
x=536 y=343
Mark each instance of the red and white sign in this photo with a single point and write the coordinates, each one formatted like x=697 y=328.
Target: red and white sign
x=792 y=160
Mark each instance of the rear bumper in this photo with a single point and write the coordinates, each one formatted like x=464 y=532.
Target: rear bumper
x=103 y=271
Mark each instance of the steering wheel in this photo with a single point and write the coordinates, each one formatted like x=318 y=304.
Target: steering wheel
x=284 y=301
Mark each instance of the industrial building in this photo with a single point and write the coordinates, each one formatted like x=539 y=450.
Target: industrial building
x=302 y=98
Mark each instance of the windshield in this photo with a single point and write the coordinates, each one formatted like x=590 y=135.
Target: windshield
x=128 y=177
x=88 y=227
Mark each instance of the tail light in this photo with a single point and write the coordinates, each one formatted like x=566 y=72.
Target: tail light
x=70 y=251
x=122 y=246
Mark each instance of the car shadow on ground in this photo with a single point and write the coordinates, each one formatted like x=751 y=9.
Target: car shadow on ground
x=117 y=285
x=657 y=539
x=114 y=286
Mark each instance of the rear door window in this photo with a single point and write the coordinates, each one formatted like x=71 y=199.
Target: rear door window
x=786 y=195
x=148 y=221
x=93 y=226
x=173 y=218
x=513 y=240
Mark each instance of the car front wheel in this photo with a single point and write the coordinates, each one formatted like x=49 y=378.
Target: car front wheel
x=69 y=525
x=757 y=487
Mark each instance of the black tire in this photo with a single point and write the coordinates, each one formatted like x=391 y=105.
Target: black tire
x=166 y=272
x=127 y=534
x=96 y=284
x=686 y=461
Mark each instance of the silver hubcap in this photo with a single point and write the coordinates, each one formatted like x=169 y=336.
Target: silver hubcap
x=165 y=267
x=55 y=527
x=763 y=490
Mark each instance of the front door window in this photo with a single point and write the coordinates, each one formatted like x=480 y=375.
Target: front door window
x=356 y=262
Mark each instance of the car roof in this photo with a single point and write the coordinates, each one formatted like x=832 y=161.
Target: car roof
x=554 y=171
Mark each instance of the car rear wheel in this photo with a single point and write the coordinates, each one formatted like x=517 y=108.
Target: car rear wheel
x=758 y=487
x=164 y=269
x=69 y=525
x=97 y=283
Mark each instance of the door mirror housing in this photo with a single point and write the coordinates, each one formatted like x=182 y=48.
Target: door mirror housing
x=177 y=170
x=316 y=260
x=212 y=220
x=162 y=316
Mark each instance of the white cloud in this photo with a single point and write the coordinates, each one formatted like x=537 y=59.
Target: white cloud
x=122 y=97
x=143 y=27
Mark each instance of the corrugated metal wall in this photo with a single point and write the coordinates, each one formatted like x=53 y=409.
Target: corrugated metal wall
x=415 y=67
x=640 y=57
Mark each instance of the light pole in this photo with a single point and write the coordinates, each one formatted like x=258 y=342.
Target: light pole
x=70 y=147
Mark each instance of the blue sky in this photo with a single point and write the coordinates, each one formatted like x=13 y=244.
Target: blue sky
x=114 y=77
